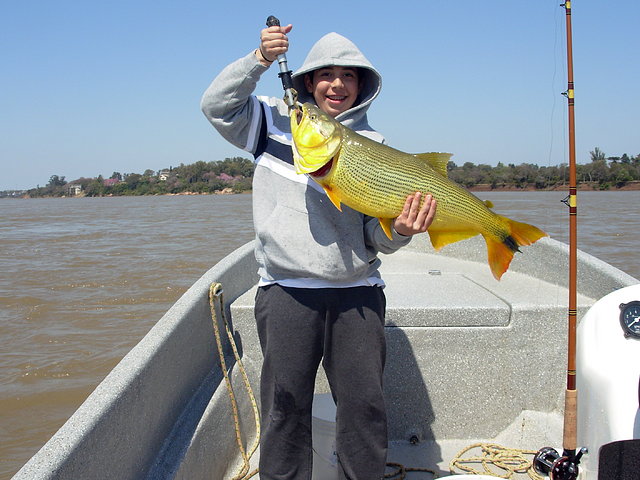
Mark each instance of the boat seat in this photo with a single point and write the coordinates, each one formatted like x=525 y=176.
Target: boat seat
x=436 y=299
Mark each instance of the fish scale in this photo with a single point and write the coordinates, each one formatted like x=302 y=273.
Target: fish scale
x=376 y=180
x=381 y=192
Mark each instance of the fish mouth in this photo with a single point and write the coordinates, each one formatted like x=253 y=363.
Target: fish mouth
x=316 y=140
x=322 y=171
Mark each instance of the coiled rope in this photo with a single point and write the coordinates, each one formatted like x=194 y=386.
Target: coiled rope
x=401 y=471
x=216 y=298
x=508 y=461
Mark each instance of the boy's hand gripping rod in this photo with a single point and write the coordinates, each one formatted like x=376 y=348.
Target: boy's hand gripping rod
x=290 y=94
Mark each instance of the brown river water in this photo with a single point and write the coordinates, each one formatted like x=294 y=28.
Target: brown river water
x=82 y=280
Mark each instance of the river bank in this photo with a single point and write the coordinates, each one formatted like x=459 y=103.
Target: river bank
x=482 y=187
x=582 y=187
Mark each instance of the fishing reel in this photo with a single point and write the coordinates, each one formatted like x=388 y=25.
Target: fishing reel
x=548 y=462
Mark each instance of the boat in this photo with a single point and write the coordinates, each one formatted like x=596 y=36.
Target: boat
x=470 y=361
x=474 y=380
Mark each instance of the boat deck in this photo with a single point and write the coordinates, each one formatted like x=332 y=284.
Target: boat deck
x=528 y=433
x=469 y=360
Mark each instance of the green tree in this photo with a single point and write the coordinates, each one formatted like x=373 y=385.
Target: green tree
x=133 y=180
x=597 y=155
x=95 y=188
x=56 y=181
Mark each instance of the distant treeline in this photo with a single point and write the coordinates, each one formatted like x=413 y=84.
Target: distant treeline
x=602 y=173
x=228 y=175
x=235 y=175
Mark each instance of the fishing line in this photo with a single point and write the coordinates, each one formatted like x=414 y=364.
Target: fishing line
x=554 y=94
x=565 y=140
x=554 y=56
x=559 y=14
x=561 y=164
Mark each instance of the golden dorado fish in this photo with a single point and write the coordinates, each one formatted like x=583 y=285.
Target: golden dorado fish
x=376 y=179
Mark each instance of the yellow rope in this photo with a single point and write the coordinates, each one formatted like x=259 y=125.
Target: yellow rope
x=215 y=296
x=401 y=471
x=508 y=461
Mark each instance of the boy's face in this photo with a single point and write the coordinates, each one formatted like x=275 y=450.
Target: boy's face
x=335 y=89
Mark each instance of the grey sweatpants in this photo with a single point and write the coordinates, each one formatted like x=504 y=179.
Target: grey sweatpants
x=343 y=327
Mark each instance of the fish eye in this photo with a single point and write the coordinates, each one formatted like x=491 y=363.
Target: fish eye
x=313 y=116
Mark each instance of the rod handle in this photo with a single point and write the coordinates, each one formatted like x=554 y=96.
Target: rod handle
x=570 y=420
x=272 y=21
x=285 y=74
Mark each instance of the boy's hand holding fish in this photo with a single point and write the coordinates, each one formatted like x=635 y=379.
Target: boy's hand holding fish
x=414 y=219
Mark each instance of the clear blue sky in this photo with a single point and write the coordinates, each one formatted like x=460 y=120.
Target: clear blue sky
x=89 y=88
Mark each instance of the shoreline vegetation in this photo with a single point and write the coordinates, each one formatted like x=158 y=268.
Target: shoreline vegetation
x=234 y=175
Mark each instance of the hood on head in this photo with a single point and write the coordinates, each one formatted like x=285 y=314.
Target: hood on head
x=334 y=49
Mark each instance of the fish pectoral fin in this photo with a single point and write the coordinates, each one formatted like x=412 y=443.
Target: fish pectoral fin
x=437 y=160
x=386 y=224
x=334 y=197
x=441 y=238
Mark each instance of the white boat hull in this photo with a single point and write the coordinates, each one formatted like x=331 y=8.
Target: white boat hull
x=469 y=359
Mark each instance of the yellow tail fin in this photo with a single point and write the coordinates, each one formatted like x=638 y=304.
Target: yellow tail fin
x=524 y=233
x=500 y=253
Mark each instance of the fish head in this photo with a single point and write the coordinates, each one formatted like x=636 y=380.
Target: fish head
x=317 y=138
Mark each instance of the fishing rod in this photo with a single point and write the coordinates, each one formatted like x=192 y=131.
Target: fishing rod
x=290 y=94
x=548 y=461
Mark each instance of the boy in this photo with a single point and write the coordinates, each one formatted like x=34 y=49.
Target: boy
x=320 y=294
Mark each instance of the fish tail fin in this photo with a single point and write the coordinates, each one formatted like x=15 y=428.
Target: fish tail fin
x=523 y=233
x=500 y=252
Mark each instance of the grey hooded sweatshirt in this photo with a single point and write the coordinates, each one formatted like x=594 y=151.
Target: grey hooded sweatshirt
x=302 y=239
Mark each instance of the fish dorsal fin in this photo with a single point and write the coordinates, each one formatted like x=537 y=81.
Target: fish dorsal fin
x=488 y=203
x=437 y=160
